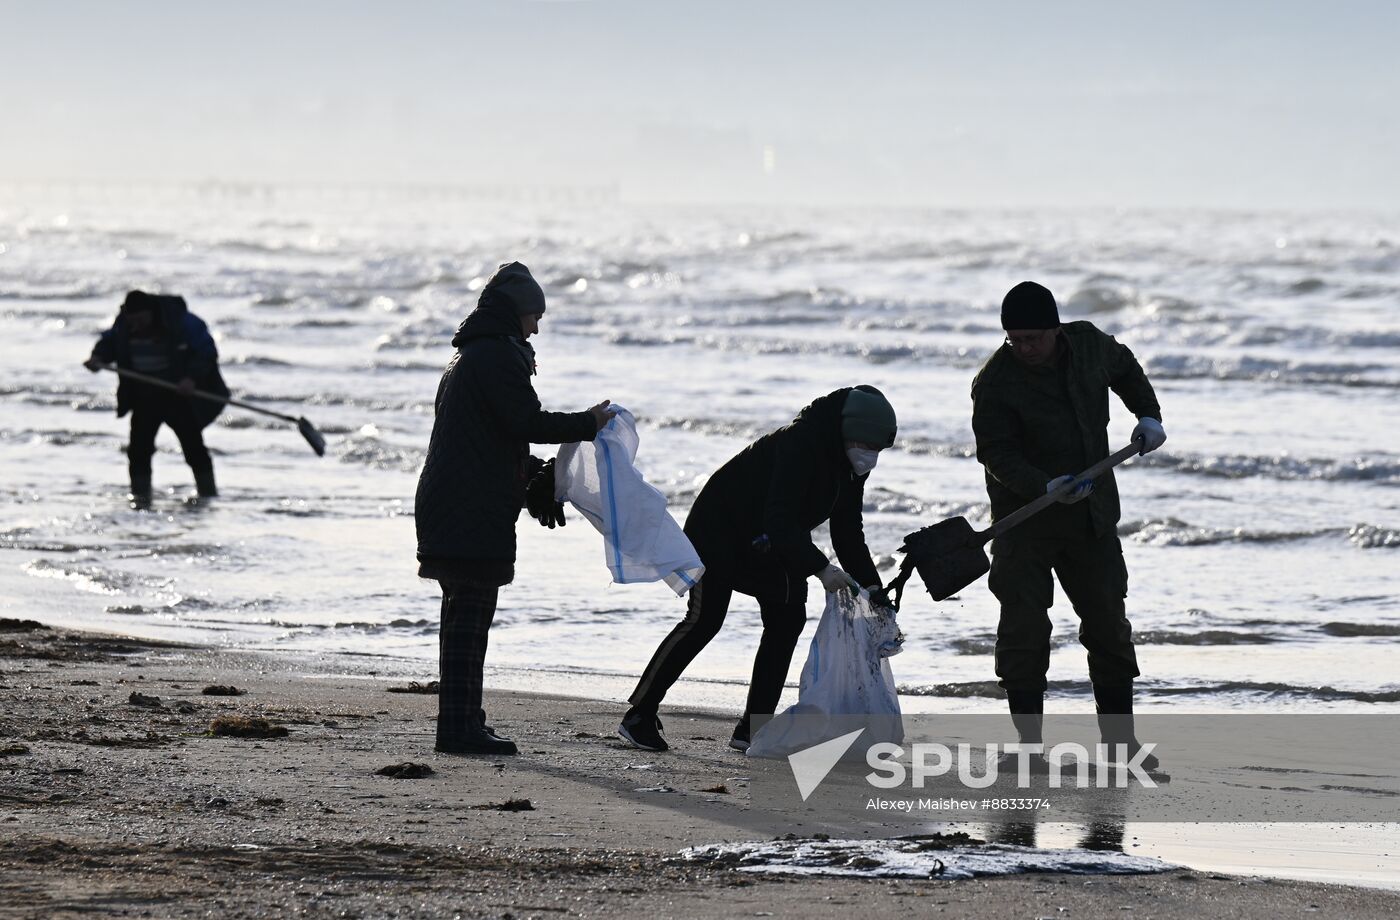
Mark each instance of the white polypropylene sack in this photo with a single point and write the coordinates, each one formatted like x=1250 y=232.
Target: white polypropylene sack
x=846 y=683
x=641 y=540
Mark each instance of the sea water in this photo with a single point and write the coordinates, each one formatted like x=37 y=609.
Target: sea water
x=1262 y=541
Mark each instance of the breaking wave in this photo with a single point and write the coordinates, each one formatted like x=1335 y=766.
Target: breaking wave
x=1360 y=630
x=1189 y=367
x=989 y=689
x=372 y=451
x=1176 y=532
x=1379 y=468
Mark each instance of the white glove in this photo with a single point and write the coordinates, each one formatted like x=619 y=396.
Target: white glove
x=1151 y=433
x=1078 y=493
x=833 y=579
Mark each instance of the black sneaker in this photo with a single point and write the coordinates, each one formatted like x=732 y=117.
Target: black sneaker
x=643 y=730
x=740 y=740
x=476 y=741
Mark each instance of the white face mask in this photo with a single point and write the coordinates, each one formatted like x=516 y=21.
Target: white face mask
x=862 y=459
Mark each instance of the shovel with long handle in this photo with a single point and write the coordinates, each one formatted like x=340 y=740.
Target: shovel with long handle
x=308 y=430
x=949 y=555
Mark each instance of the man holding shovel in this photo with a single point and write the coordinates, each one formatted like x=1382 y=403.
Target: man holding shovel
x=156 y=335
x=1040 y=414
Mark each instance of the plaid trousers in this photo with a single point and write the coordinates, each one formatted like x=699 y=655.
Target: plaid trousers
x=467 y=610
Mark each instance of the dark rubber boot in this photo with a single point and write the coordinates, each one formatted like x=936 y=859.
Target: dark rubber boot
x=204 y=483
x=1114 y=705
x=1027 y=714
x=141 y=488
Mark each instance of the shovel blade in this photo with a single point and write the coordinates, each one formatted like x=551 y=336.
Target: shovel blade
x=313 y=437
x=948 y=556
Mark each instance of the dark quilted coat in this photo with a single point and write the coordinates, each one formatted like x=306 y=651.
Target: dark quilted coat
x=472 y=486
x=783 y=485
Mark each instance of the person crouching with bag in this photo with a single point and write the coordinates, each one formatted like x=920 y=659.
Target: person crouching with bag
x=752 y=527
x=157 y=335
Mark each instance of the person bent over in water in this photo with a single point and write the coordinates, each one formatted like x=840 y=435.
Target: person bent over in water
x=752 y=526
x=157 y=335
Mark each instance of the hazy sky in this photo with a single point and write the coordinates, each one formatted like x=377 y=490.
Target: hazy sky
x=1230 y=103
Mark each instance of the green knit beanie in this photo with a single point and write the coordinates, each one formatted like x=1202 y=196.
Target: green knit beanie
x=868 y=417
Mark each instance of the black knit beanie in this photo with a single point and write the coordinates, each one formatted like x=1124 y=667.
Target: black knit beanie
x=1029 y=306
x=513 y=287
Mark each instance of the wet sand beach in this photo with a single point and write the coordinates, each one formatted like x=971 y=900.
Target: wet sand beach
x=116 y=800
x=403 y=240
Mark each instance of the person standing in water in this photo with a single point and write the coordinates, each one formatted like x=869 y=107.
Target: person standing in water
x=752 y=527
x=1040 y=415
x=473 y=487
x=157 y=335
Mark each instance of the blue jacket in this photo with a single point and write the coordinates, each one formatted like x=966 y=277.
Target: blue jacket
x=191 y=351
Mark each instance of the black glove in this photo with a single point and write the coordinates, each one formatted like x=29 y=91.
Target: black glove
x=539 y=498
x=878 y=597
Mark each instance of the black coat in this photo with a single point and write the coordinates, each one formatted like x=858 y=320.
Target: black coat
x=191 y=352
x=473 y=482
x=783 y=485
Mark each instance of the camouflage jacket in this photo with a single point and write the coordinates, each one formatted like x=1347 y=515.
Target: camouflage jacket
x=1034 y=424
